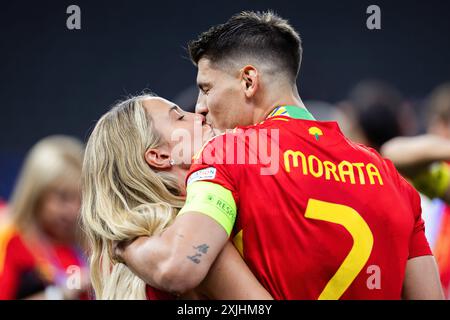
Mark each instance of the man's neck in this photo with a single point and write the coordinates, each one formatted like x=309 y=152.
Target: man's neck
x=262 y=113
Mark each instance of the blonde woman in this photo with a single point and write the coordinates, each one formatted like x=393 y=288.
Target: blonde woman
x=133 y=186
x=39 y=249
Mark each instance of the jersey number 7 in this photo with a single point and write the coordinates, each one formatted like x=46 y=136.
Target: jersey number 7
x=352 y=221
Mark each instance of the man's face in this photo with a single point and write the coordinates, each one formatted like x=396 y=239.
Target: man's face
x=221 y=96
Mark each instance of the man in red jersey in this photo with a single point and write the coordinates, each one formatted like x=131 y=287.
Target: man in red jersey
x=320 y=218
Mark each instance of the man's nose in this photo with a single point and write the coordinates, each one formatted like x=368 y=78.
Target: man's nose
x=201 y=108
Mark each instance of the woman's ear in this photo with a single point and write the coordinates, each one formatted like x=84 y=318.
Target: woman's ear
x=157 y=158
x=250 y=80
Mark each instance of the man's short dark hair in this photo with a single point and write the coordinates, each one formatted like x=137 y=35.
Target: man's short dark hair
x=263 y=35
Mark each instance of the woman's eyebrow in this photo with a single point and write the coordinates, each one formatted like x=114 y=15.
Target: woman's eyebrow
x=174 y=107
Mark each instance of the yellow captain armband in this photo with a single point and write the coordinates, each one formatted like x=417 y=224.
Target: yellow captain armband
x=434 y=181
x=212 y=200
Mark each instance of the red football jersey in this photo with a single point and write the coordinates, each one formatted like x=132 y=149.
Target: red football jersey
x=333 y=221
x=25 y=270
x=155 y=294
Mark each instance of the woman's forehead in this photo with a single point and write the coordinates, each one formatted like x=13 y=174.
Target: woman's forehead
x=157 y=105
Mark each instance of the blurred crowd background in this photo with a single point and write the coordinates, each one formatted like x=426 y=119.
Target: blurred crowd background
x=388 y=88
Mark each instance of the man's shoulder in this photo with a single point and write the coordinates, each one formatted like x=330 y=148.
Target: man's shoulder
x=389 y=169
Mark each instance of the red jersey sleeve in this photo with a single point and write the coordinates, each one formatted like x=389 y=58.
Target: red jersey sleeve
x=211 y=164
x=418 y=244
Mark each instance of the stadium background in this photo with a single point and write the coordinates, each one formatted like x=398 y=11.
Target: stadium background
x=54 y=80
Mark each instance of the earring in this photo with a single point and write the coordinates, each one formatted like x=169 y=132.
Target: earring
x=172 y=162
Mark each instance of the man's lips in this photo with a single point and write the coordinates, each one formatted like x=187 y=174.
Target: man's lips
x=209 y=132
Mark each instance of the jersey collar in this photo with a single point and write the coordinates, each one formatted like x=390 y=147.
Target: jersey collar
x=292 y=112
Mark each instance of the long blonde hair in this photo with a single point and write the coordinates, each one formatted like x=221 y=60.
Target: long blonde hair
x=53 y=159
x=122 y=197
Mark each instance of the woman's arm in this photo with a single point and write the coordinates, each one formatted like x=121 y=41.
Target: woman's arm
x=230 y=279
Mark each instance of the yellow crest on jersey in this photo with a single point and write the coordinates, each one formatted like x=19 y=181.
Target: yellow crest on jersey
x=316 y=132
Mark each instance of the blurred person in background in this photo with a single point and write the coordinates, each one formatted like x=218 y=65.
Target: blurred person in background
x=425 y=161
x=2 y=209
x=377 y=113
x=40 y=254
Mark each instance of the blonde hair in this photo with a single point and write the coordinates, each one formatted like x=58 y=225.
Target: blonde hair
x=55 y=159
x=122 y=197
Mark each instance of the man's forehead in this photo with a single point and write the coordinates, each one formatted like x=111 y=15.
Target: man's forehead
x=208 y=69
x=205 y=68
x=204 y=63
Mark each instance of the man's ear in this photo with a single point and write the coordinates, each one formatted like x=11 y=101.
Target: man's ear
x=157 y=158
x=250 y=80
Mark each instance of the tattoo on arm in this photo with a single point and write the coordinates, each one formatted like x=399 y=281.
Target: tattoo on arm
x=203 y=248
x=199 y=250
x=195 y=258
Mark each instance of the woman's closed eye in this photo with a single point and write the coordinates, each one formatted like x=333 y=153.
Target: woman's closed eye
x=180 y=114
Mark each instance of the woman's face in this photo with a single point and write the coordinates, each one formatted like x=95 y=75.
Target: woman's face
x=58 y=211
x=184 y=133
